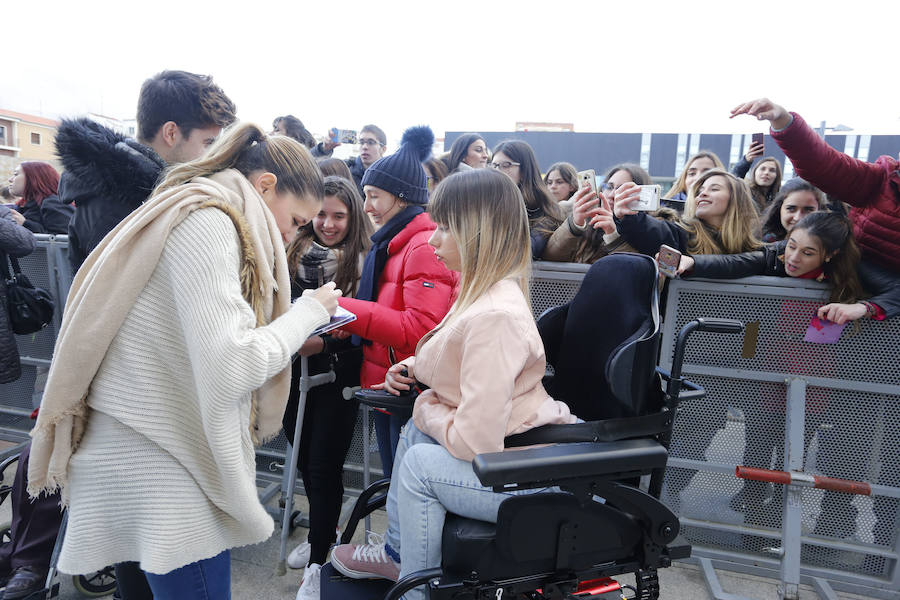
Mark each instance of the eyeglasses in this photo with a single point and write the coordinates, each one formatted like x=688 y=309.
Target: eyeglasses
x=369 y=142
x=505 y=165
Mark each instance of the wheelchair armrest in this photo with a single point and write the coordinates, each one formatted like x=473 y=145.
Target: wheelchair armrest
x=693 y=391
x=568 y=461
x=372 y=498
x=386 y=400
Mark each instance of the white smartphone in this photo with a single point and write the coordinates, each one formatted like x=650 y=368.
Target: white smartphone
x=649 y=199
x=587 y=178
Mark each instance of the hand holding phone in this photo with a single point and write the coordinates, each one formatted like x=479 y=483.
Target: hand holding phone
x=587 y=178
x=584 y=206
x=649 y=198
x=757 y=147
x=669 y=261
x=342 y=136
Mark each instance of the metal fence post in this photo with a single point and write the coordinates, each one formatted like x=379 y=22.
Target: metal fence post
x=792 y=520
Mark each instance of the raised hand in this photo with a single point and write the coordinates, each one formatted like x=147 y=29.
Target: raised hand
x=764 y=110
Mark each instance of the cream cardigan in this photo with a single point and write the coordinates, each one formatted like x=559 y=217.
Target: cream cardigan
x=165 y=473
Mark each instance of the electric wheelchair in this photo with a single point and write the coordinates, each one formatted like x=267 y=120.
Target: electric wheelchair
x=607 y=518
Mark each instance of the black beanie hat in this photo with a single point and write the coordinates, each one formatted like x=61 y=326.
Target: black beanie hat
x=401 y=173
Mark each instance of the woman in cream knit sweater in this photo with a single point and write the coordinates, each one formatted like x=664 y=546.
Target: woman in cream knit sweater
x=173 y=361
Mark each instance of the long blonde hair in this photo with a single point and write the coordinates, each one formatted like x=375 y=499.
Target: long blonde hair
x=486 y=215
x=740 y=222
x=247 y=148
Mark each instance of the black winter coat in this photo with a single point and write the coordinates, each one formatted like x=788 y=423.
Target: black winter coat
x=106 y=175
x=875 y=279
x=51 y=216
x=646 y=234
x=14 y=241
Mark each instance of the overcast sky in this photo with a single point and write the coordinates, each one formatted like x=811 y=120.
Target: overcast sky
x=628 y=66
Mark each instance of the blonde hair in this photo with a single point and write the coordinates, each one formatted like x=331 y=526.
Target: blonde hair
x=247 y=148
x=486 y=215
x=740 y=222
x=679 y=185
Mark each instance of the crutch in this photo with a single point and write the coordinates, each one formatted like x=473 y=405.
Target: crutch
x=307 y=382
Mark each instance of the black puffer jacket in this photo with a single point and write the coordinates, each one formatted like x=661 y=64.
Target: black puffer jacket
x=51 y=216
x=106 y=175
x=16 y=241
x=879 y=281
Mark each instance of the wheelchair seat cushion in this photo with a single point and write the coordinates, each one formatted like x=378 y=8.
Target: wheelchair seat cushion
x=539 y=533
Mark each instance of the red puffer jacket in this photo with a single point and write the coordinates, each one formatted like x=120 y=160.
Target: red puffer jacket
x=872 y=189
x=415 y=291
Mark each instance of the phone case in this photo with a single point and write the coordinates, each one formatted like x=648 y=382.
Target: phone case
x=669 y=260
x=587 y=177
x=649 y=199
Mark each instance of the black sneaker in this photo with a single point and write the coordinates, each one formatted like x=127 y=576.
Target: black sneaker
x=24 y=582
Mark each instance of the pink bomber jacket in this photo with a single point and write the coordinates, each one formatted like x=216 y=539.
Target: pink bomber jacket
x=484 y=369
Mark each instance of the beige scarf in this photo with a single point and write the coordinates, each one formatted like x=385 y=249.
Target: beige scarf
x=107 y=286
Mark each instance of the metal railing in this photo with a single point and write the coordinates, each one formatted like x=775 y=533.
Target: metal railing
x=774 y=401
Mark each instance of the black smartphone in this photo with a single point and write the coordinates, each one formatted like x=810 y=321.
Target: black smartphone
x=757 y=138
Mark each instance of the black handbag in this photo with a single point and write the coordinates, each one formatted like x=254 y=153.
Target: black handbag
x=30 y=307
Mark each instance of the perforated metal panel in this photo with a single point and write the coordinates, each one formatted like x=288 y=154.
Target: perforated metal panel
x=850 y=412
x=553 y=284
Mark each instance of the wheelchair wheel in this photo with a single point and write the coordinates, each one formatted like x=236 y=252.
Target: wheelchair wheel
x=646 y=584
x=97 y=584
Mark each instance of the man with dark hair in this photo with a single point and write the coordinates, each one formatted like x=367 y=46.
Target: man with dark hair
x=107 y=175
x=372 y=143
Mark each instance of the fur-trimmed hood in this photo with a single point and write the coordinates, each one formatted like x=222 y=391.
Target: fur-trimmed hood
x=103 y=163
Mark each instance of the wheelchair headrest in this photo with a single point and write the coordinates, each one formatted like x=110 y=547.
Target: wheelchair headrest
x=610 y=326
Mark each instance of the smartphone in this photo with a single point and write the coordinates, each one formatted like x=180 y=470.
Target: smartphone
x=587 y=179
x=668 y=261
x=757 y=138
x=649 y=199
x=343 y=136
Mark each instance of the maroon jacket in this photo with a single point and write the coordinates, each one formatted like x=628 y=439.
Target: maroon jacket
x=415 y=291
x=872 y=189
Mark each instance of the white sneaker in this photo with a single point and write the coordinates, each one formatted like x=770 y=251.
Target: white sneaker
x=299 y=556
x=309 y=588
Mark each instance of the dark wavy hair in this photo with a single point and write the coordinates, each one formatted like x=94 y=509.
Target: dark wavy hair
x=191 y=101
x=771 y=219
x=293 y=127
x=460 y=148
x=354 y=244
x=567 y=172
x=335 y=166
x=835 y=232
x=544 y=214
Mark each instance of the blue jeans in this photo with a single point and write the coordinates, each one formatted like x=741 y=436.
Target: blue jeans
x=428 y=482
x=387 y=432
x=208 y=579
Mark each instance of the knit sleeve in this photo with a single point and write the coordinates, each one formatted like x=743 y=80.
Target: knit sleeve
x=229 y=356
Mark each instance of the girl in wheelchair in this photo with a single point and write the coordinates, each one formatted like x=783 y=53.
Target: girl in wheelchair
x=483 y=365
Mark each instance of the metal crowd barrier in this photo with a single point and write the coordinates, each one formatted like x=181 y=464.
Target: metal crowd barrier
x=774 y=401
x=777 y=401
